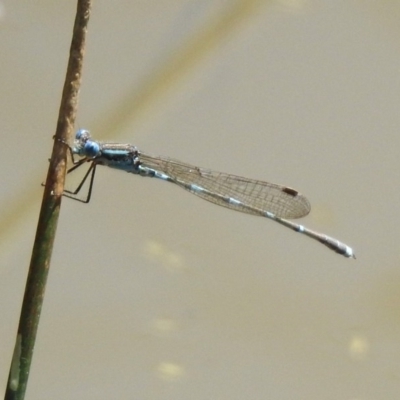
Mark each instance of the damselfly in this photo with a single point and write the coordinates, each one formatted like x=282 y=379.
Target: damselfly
x=250 y=196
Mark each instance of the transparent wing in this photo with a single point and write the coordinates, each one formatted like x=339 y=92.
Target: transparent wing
x=282 y=201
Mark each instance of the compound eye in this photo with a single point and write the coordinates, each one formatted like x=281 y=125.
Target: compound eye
x=82 y=135
x=91 y=149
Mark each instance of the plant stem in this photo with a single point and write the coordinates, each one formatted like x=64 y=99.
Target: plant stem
x=48 y=218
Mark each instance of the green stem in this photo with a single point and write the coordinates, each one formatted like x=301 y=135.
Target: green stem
x=48 y=218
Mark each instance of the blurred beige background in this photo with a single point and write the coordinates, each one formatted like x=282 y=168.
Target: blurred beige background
x=156 y=294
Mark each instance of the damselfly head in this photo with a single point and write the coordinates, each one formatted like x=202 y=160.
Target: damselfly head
x=82 y=140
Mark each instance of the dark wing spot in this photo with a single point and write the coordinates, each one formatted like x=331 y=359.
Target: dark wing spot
x=290 y=191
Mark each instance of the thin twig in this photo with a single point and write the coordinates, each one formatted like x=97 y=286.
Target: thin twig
x=48 y=218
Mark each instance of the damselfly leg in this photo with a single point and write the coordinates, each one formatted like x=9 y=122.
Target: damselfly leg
x=73 y=194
